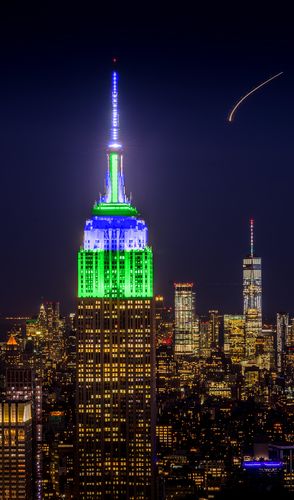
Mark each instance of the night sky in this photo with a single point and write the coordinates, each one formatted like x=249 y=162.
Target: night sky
x=195 y=178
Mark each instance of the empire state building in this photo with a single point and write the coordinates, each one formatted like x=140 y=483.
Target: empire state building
x=115 y=343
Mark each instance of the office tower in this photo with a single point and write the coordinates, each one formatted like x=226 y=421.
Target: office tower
x=253 y=328
x=51 y=330
x=22 y=385
x=281 y=340
x=234 y=337
x=16 y=450
x=115 y=343
x=265 y=352
x=159 y=319
x=289 y=359
x=252 y=293
x=185 y=321
x=251 y=381
x=204 y=346
x=49 y=315
x=214 y=320
x=165 y=368
x=12 y=352
x=164 y=323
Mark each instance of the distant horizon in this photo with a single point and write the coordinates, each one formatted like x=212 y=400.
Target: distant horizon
x=266 y=320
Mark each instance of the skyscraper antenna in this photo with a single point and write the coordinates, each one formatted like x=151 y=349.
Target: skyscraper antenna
x=251 y=237
x=114 y=131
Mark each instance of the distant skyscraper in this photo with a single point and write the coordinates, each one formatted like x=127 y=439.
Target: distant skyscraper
x=185 y=321
x=234 y=337
x=164 y=323
x=214 y=329
x=50 y=328
x=12 y=352
x=204 y=343
x=281 y=340
x=252 y=295
x=265 y=348
x=289 y=360
x=21 y=385
x=115 y=343
x=16 y=450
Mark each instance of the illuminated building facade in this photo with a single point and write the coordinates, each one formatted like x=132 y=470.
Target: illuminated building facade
x=49 y=327
x=16 y=450
x=22 y=385
x=252 y=295
x=115 y=343
x=164 y=324
x=12 y=352
x=204 y=346
x=281 y=340
x=185 y=322
x=165 y=367
x=252 y=381
x=234 y=337
x=264 y=350
x=214 y=329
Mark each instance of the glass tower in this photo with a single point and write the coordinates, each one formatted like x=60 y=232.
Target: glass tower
x=252 y=293
x=281 y=340
x=234 y=345
x=115 y=343
x=185 y=322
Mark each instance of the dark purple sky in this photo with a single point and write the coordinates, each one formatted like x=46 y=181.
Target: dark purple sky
x=196 y=178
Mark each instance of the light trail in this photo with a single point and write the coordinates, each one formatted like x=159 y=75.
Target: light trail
x=231 y=115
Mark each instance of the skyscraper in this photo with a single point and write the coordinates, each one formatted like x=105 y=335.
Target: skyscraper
x=16 y=450
x=50 y=328
x=234 y=338
x=115 y=343
x=185 y=321
x=252 y=294
x=281 y=340
x=214 y=330
x=21 y=384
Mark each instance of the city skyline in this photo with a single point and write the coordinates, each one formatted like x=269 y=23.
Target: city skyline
x=161 y=364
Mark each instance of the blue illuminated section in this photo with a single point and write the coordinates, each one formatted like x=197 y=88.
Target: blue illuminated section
x=256 y=464
x=114 y=132
x=115 y=233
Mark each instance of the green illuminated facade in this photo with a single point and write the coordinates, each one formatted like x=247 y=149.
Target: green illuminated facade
x=115 y=274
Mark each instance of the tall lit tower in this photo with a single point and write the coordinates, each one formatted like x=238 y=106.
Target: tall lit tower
x=184 y=339
x=281 y=340
x=115 y=342
x=252 y=294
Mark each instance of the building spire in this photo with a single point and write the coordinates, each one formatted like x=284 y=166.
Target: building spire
x=114 y=131
x=115 y=186
x=251 y=237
